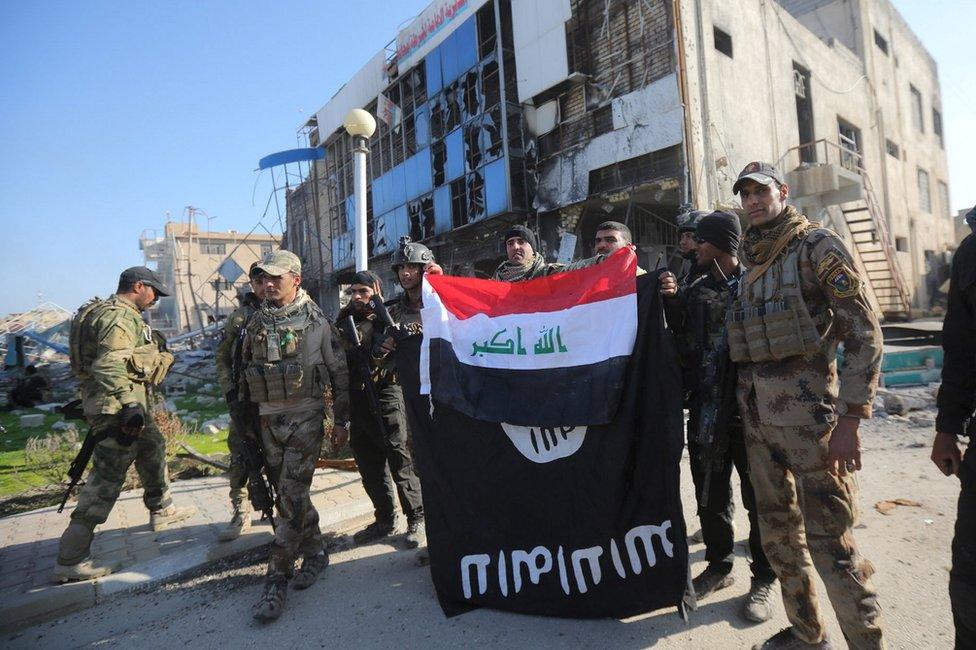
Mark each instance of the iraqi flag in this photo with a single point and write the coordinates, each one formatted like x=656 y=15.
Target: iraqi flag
x=490 y=346
x=558 y=520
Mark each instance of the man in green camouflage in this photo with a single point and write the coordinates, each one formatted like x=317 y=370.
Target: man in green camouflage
x=800 y=298
x=290 y=357
x=119 y=361
x=244 y=417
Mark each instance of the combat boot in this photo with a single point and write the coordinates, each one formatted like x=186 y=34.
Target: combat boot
x=239 y=522
x=416 y=533
x=714 y=577
x=272 y=601
x=758 y=607
x=786 y=640
x=312 y=566
x=87 y=569
x=376 y=530
x=163 y=519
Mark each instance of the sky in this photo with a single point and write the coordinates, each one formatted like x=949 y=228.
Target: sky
x=115 y=114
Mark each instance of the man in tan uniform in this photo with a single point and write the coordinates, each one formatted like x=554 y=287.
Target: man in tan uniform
x=290 y=358
x=800 y=298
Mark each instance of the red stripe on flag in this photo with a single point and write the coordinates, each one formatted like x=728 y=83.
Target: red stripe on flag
x=465 y=297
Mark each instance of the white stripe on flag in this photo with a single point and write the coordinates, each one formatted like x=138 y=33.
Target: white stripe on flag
x=585 y=334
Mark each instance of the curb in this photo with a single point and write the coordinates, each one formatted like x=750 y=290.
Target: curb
x=54 y=601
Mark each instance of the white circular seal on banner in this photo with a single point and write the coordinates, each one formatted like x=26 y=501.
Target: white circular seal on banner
x=545 y=444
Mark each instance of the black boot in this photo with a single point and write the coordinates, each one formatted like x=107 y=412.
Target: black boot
x=786 y=640
x=376 y=530
x=714 y=577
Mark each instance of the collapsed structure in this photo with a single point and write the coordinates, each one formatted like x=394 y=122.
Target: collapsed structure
x=565 y=113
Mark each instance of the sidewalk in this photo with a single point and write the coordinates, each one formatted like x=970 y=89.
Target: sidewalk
x=29 y=544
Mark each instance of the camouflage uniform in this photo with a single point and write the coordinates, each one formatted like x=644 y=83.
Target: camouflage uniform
x=810 y=297
x=126 y=362
x=374 y=448
x=290 y=357
x=701 y=325
x=242 y=422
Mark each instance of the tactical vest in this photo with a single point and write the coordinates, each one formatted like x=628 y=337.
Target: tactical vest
x=771 y=320
x=148 y=363
x=82 y=346
x=279 y=369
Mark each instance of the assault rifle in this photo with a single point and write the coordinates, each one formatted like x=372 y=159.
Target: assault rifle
x=391 y=328
x=260 y=489
x=73 y=411
x=715 y=408
x=347 y=327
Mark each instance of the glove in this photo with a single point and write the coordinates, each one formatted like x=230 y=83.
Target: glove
x=132 y=419
x=231 y=397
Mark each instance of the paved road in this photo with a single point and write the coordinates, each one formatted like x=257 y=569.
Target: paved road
x=378 y=597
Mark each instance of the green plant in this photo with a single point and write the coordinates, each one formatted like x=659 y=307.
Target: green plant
x=51 y=455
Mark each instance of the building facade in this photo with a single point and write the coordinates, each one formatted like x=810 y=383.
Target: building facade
x=565 y=113
x=205 y=271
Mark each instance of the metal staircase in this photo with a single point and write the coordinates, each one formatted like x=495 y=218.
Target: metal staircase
x=838 y=178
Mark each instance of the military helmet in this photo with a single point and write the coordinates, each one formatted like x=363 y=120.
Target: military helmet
x=688 y=221
x=410 y=252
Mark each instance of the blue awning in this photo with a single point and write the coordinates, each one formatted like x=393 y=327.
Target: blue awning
x=290 y=156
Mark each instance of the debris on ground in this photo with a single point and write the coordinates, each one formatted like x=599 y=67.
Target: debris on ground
x=885 y=507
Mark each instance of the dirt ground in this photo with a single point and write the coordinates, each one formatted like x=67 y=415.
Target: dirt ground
x=377 y=596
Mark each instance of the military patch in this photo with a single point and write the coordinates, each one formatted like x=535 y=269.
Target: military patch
x=843 y=282
x=829 y=262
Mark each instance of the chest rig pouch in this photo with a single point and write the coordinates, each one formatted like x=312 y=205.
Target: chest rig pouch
x=279 y=370
x=771 y=320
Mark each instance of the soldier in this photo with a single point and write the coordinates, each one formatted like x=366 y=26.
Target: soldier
x=715 y=440
x=611 y=236
x=687 y=246
x=290 y=357
x=800 y=298
x=119 y=361
x=524 y=260
x=957 y=400
x=244 y=414
x=377 y=445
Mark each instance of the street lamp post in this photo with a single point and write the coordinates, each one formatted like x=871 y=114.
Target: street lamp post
x=360 y=125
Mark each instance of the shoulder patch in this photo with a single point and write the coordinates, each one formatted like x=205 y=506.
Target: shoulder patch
x=842 y=282
x=828 y=263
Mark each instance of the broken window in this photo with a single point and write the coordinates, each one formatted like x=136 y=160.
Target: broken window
x=451 y=107
x=476 y=197
x=421 y=120
x=454 y=143
x=409 y=135
x=723 y=41
x=438 y=156
x=491 y=90
x=459 y=203
x=937 y=126
x=421 y=215
x=487 y=35
x=471 y=100
x=901 y=244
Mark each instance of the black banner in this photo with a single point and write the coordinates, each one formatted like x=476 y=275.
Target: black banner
x=579 y=522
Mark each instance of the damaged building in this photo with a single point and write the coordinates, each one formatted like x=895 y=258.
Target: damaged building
x=565 y=113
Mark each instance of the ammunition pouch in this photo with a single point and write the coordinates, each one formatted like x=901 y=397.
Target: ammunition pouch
x=774 y=331
x=149 y=365
x=280 y=382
